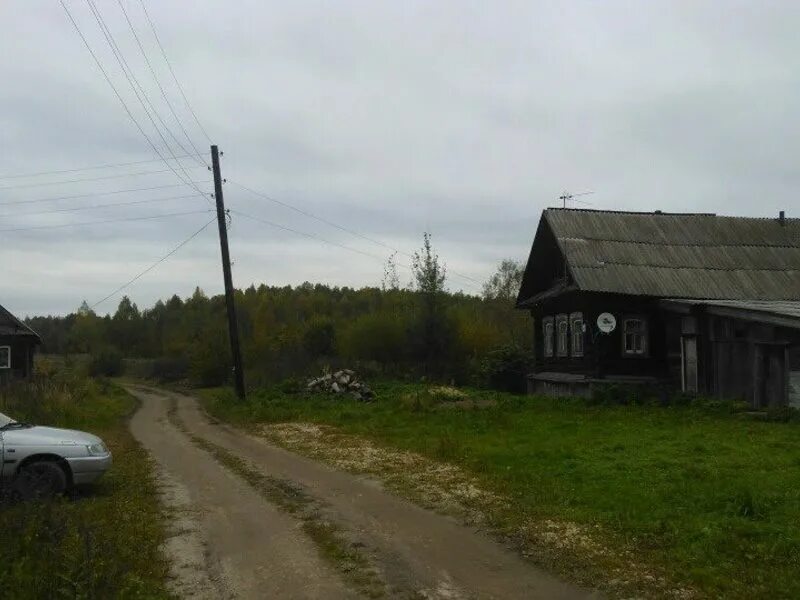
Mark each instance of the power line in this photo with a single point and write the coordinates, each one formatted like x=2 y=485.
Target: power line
x=315 y=237
x=92 y=194
x=98 y=206
x=309 y=235
x=341 y=227
x=171 y=70
x=134 y=83
x=115 y=90
x=113 y=87
x=316 y=217
x=95 y=167
x=155 y=264
x=88 y=179
x=150 y=217
x=155 y=78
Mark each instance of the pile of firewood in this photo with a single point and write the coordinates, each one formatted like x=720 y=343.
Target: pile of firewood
x=341 y=382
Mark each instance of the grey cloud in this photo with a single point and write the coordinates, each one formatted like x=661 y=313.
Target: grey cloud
x=462 y=118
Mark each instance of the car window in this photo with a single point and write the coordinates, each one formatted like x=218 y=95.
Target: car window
x=4 y=420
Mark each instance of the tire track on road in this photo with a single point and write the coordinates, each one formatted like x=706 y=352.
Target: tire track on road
x=418 y=553
x=261 y=551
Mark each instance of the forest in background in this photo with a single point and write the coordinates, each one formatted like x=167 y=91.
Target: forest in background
x=291 y=332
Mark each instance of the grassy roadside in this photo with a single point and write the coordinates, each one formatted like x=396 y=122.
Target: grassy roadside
x=105 y=543
x=708 y=499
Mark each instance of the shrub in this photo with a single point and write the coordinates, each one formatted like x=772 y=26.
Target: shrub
x=319 y=337
x=476 y=335
x=379 y=336
x=108 y=363
x=505 y=367
x=291 y=385
x=208 y=367
x=167 y=369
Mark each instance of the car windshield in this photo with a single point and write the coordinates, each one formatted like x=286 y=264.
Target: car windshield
x=4 y=420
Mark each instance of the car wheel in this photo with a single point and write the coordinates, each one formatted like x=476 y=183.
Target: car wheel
x=42 y=479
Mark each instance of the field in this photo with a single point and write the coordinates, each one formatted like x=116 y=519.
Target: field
x=707 y=498
x=104 y=543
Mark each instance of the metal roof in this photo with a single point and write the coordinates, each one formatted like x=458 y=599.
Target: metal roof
x=780 y=308
x=11 y=325
x=672 y=255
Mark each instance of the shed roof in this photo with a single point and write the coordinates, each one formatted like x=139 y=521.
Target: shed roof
x=11 y=325
x=782 y=312
x=669 y=255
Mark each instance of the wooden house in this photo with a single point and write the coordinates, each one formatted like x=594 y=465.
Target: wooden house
x=18 y=342
x=695 y=302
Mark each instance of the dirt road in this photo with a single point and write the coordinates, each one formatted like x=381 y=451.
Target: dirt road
x=278 y=525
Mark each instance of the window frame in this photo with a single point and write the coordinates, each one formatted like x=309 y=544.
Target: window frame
x=644 y=333
x=8 y=362
x=576 y=333
x=562 y=319
x=548 y=337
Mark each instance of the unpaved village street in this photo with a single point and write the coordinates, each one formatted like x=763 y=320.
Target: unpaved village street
x=258 y=521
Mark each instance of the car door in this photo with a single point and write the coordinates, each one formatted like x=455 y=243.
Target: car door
x=6 y=464
x=2 y=460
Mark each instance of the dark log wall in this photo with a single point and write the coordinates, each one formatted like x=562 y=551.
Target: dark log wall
x=603 y=353
x=750 y=361
x=736 y=358
x=22 y=349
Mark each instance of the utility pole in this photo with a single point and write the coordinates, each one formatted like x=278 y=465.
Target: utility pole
x=233 y=326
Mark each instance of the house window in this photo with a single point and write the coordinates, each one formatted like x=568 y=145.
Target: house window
x=634 y=336
x=562 y=341
x=547 y=335
x=5 y=357
x=576 y=329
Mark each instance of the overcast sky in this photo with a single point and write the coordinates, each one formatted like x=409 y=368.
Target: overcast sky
x=461 y=118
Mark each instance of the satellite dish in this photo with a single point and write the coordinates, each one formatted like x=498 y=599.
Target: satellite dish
x=606 y=322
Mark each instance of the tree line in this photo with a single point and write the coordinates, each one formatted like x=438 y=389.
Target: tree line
x=289 y=332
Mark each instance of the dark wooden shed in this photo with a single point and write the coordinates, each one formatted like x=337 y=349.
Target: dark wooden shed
x=698 y=302
x=18 y=343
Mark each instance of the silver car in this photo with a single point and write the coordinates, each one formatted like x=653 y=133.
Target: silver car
x=42 y=461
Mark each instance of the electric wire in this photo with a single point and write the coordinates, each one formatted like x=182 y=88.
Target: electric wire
x=172 y=71
x=133 y=82
x=114 y=88
x=154 y=265
x=140 y=94
x=145 y=218
x=93 y=194
x=88 y=179
x=92 y=168
x=341 y=227
x=98 y=206
x=315 y=217
x=308 y=235
x=158 y=83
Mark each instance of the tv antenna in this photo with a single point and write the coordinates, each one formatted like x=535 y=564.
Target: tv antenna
x=567 y=197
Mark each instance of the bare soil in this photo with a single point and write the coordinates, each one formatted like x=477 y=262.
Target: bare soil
x=261 y=552
x=262 y=542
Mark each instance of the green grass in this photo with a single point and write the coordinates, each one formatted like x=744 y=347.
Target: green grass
x=103 y=544
x=708 y=497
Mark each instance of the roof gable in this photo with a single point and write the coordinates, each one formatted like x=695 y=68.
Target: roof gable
x=700 y=256
x=11 y=325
